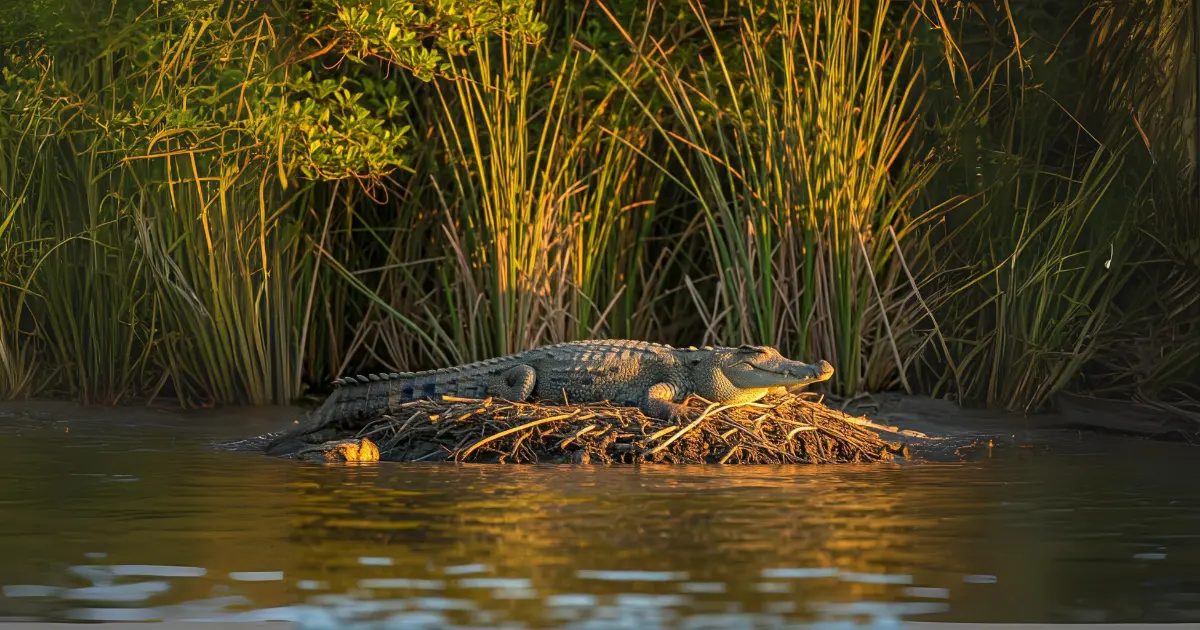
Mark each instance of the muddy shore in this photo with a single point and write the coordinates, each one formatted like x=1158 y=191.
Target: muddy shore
x=932 y=428
x=1075 y=418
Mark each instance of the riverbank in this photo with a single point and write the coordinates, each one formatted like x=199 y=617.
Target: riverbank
x=1073 y=415
x=375 y=218
x=930 y=428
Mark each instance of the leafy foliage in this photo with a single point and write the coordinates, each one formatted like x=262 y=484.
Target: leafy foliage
x=233 y=201
x=396 y=31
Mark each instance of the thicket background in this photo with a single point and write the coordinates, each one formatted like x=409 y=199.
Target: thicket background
x=227 y=201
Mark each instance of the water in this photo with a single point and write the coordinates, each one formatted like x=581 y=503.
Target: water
x=137 y=517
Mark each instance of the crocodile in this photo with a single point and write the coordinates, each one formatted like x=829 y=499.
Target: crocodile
x=652 y=377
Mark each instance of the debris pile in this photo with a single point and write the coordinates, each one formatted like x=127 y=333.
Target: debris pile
x=786 y=429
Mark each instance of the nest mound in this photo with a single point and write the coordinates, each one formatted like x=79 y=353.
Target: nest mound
x=789 y=429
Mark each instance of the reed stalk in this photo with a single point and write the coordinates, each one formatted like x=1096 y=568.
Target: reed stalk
x=227 y=202
x=795 y=161
x=543 y=233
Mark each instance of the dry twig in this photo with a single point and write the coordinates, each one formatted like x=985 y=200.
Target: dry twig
x=788 y=429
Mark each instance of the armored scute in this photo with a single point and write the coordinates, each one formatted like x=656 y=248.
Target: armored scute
x=655 y=378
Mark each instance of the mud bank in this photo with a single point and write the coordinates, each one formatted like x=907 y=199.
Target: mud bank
x=930 y=428
x=951 y=427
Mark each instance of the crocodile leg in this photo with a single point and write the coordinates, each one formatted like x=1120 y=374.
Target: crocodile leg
x=660 y=403
x=515 y=383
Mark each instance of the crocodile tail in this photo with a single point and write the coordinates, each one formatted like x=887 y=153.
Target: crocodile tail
x=360 y=398
x=349 y=401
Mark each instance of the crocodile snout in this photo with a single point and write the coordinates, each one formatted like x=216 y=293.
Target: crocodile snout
x=819 y=371
x=824 y=369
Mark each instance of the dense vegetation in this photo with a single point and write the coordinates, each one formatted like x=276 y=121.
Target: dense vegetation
x=229 y=201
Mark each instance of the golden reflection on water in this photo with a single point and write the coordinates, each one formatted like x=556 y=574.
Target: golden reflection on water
x=1024 y=537
x=546 y=525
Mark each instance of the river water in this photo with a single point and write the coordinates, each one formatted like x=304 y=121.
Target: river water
x=128 y=516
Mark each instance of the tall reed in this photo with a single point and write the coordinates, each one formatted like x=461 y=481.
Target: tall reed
x=797 y=163
x=543 y=214
x=1039 y=243
x=23 y=139
x=231 y=202
x=69 y=283
x=1144 y=60
x=168 y=267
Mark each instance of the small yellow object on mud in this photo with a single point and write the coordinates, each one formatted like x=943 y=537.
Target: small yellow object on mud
x=352 y=451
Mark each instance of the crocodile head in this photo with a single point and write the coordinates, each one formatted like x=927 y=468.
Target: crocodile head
x=763 y=368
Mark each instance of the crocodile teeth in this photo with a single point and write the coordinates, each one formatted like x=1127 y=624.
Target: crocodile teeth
x=363 y=379
x=373 y=377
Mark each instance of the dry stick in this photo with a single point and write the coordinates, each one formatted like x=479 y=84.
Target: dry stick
x=380 y=426
x=758 y=420
x=446 y=428
x=571 y=438
x=883 y=312
x=916 y=291
x=793 y=432
x=469 y=414
x=398 y=435
x=662 y=432
x=680 y=434
x=863 y=422
x=793 y=422
x=516 y=447
x=312 y=289
x=712 y=409
x=450 y=398
x=747 y=431
x=425 y=457
x=766 y=443
x=522 y=427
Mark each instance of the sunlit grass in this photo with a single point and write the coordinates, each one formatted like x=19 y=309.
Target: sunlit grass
x=544 y=208
x=793 y=162
x=927 y=199
x=151 y=260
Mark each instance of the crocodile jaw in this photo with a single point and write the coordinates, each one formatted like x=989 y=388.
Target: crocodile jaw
x=779 y=373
